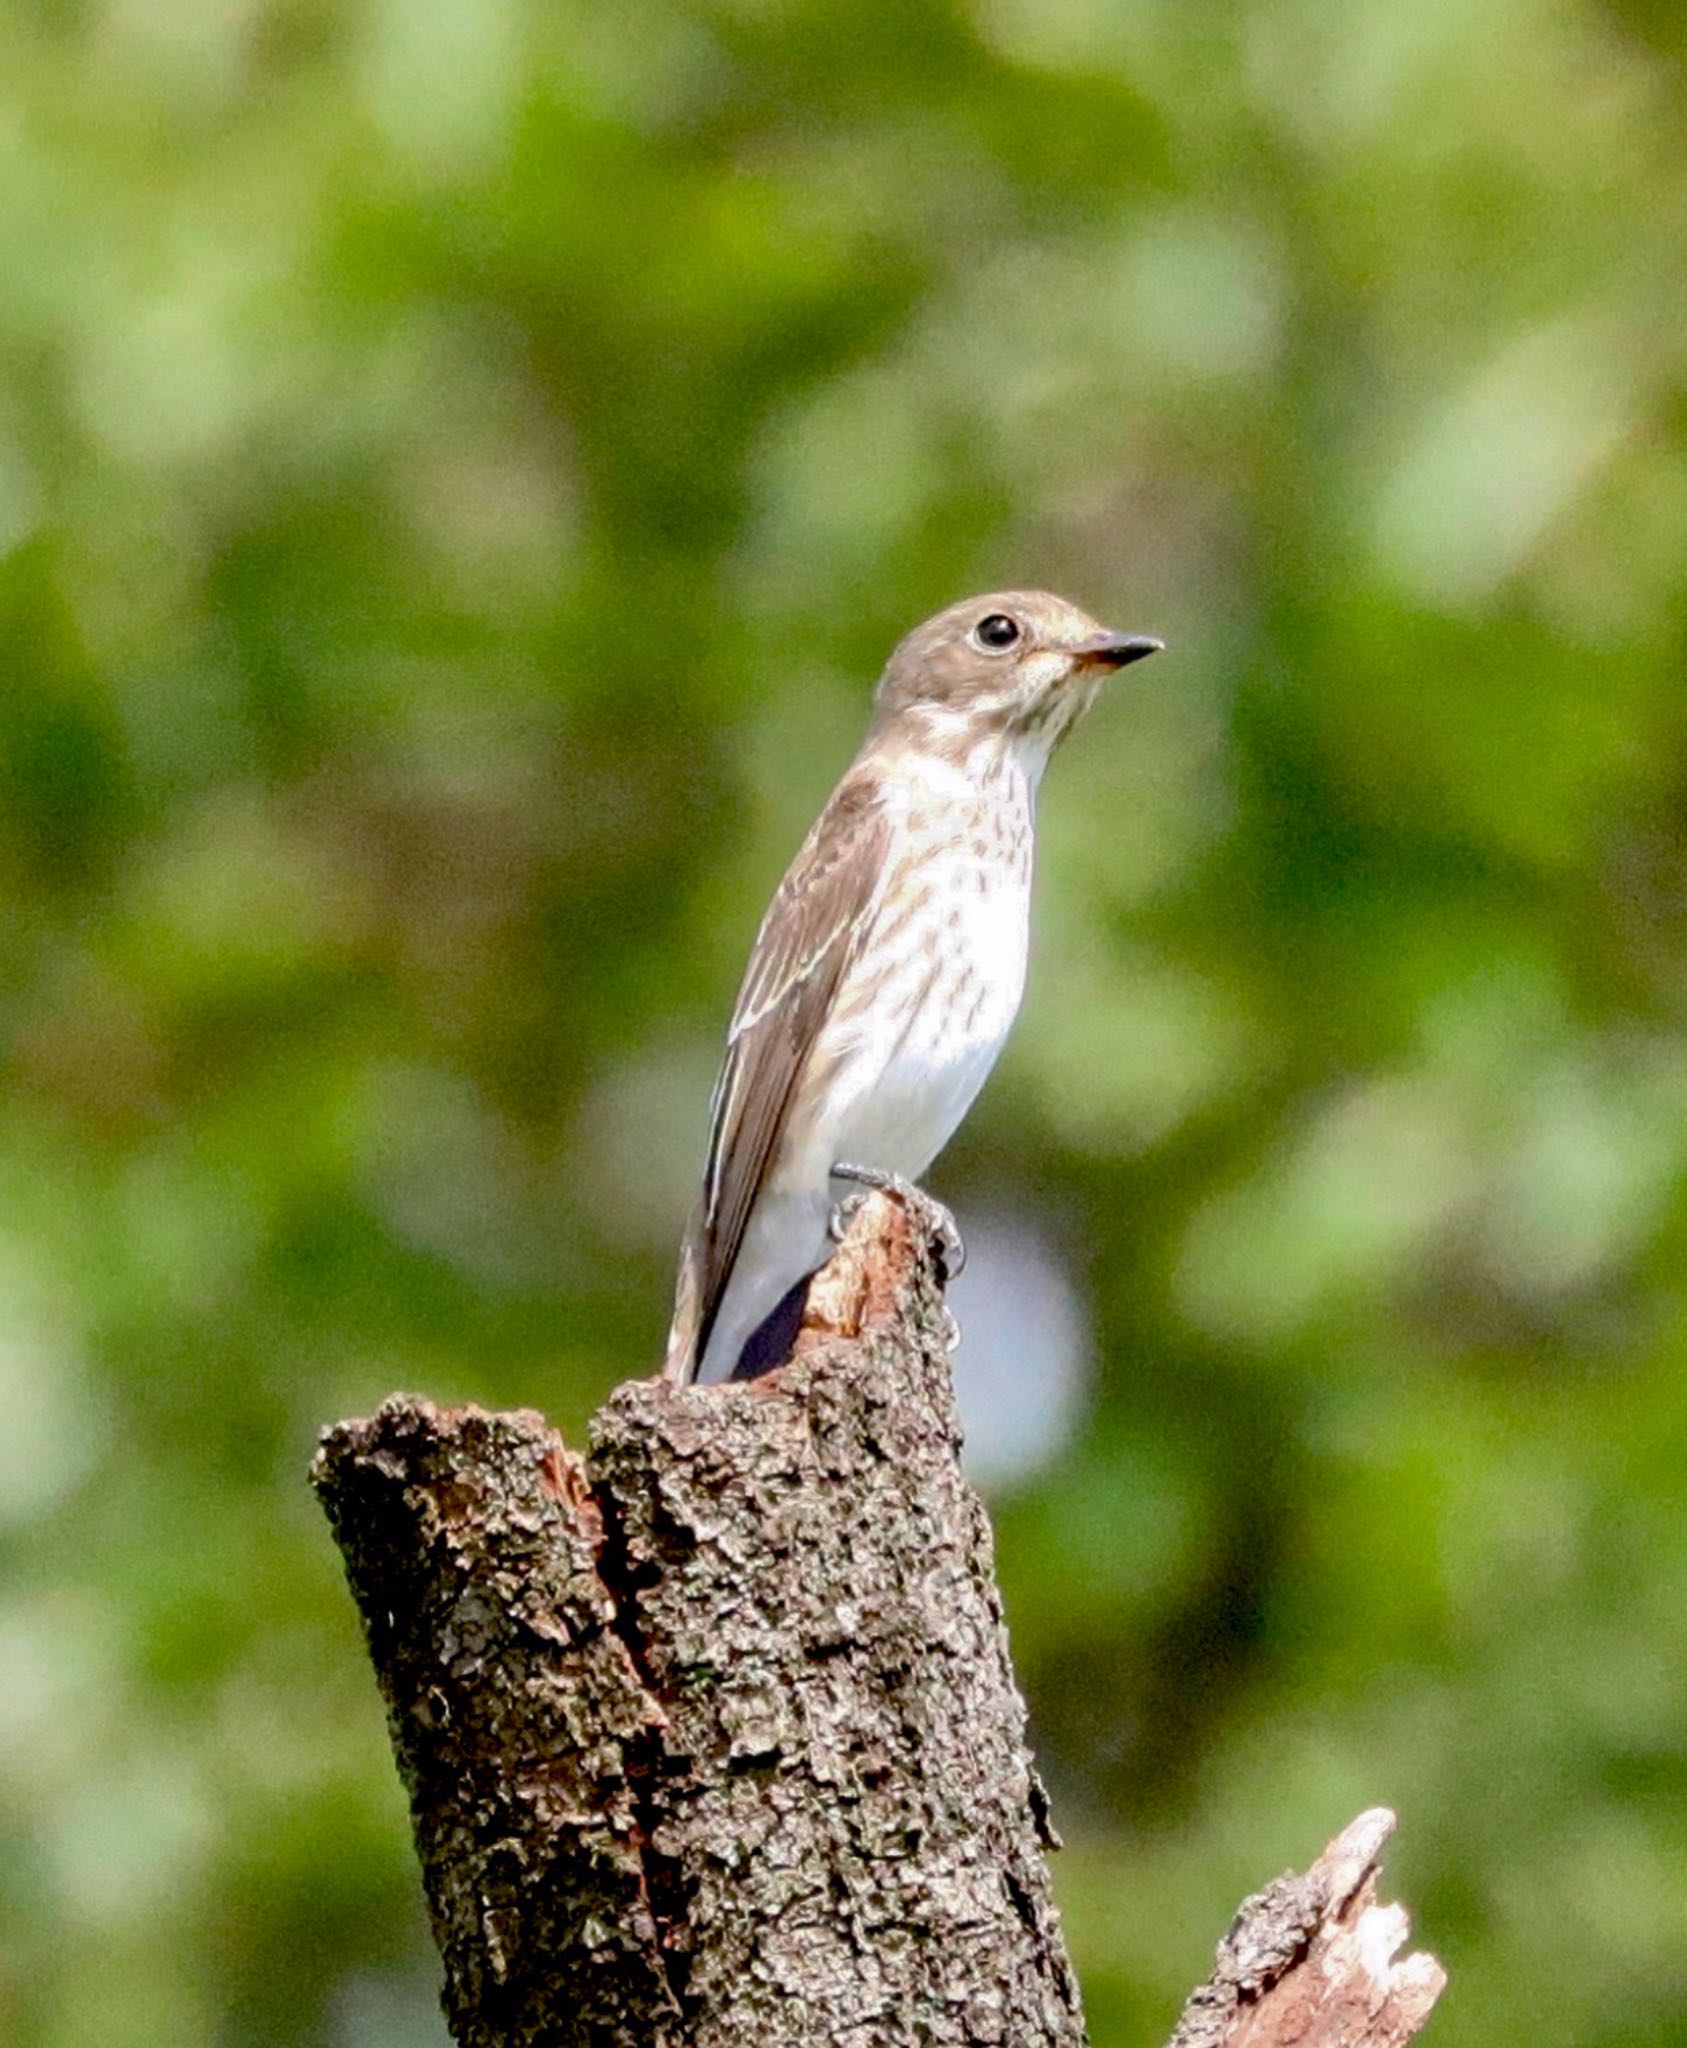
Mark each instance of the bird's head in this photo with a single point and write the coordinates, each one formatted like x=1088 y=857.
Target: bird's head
x=1020 y=666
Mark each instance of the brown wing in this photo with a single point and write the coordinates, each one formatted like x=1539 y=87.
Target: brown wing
x=807 y=940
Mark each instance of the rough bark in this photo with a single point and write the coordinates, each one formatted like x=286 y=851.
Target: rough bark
x=711 y=1735
x=518 y=1716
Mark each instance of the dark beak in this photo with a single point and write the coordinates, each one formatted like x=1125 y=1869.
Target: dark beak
x=1117 y=650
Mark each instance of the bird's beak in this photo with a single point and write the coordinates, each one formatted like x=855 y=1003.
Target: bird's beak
x=1116 y=650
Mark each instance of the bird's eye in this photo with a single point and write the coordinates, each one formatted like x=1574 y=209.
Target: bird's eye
x=996 y=632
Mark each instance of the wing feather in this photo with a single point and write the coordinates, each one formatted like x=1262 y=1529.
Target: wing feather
x=811 y=933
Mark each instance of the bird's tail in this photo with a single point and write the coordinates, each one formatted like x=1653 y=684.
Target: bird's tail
x=680 y=1364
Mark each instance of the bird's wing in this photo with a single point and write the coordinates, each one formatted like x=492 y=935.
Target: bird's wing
x=812 y=931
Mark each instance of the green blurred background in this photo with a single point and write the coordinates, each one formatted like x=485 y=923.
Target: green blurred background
x=461 y=468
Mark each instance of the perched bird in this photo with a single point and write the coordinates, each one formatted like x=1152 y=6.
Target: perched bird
x=890 y=964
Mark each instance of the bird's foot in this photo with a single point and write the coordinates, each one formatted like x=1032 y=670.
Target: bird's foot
x=951 y=1251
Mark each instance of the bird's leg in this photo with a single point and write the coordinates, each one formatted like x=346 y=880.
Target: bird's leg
x=951 y=1251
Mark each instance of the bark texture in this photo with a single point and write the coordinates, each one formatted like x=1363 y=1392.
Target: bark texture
x=517 y=1713
x=711 y=1735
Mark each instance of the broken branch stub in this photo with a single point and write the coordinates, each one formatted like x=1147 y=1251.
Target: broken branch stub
x=1310 y=1962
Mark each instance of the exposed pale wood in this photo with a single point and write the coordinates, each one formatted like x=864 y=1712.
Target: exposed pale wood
x=1312 y=1962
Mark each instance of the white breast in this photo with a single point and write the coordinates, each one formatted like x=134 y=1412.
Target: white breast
x=929 y=1003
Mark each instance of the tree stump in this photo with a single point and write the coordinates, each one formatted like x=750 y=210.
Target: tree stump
x=711 y=1734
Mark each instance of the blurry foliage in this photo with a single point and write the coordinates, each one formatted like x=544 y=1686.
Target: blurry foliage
x=460 y=469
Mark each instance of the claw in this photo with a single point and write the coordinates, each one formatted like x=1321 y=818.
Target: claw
x=951 y=1250
x=843 y=1215
x=874 y=1177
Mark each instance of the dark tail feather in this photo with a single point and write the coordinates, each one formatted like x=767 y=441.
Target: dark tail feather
x=771 y=1341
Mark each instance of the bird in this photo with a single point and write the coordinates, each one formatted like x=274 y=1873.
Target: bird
x=889 y=967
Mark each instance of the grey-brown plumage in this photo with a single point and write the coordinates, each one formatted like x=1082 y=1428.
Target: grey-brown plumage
x=889 y=966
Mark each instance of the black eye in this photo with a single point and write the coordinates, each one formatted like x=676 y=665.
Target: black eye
x=996 y=632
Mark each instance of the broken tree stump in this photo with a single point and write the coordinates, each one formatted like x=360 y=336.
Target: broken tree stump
x=711 y=1734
